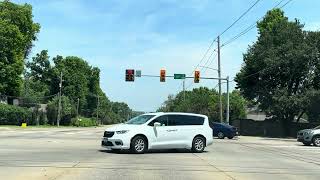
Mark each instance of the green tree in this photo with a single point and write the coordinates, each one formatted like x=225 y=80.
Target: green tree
x=67 y=111
x=238 y=105
x=17 y=32
x=76 y=73
x=277 y=69
x=40 y=68
x=313 y=105
x=205 y=101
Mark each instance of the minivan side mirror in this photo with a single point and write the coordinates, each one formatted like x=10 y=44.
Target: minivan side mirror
x=156 y=124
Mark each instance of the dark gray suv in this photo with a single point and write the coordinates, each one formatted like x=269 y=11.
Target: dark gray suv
x=309 y=136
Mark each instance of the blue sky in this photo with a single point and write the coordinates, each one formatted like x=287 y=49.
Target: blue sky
x=115 y=35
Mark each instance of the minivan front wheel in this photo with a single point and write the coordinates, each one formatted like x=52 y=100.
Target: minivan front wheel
x=316 y=141
x=138 y=145
x=198 y=144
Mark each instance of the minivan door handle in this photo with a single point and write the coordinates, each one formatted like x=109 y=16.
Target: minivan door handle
x=171 y=130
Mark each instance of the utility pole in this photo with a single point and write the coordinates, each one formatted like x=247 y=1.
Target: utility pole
x=78 y=107
x=59 y=106
x=184 y=90
x=98 y=103
x=228 y=105
x=219 y=76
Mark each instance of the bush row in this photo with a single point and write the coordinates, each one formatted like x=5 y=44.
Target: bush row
x=14 y=115
x=83 y=122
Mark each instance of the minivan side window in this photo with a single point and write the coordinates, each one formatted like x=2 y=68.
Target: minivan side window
x=185 y=120
x=163 y=120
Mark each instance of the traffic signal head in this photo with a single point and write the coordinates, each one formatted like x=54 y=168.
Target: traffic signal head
x=162 y=75
x=196 y=76
x=130 y=75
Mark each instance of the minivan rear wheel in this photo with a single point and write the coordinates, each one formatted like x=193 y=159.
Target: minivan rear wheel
x=138 y=145
x=198 y=144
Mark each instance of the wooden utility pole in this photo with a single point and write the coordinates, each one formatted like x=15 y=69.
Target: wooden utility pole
x=98 y=103
x=228 y=102
x=219 y=76
x=78 y=107
x=184 y=90
x=59 y=106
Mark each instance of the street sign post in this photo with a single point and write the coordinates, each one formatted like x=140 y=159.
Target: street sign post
x=179 y=76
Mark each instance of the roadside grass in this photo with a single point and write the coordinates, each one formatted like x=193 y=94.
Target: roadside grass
x=43 y=126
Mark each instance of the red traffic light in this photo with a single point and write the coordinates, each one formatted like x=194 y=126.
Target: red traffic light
x=162 y=75
x=130 y=75
x=196 y=76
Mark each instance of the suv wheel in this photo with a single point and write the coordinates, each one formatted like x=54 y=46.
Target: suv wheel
x=138 y=145
x=220 y=135
x=316 y=141
x=198 y=144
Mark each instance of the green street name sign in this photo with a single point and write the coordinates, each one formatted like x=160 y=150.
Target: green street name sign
x=179 y=76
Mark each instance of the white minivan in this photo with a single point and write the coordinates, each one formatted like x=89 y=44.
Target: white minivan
x=160 y=131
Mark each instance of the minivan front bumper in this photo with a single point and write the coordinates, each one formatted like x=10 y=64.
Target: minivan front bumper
x=112 y=140
x=304 y=137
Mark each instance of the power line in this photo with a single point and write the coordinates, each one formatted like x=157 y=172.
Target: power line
x=204 y=67
x=229 y=27
x=246 y=30
x=242 y=15
x=205 y=54
x=213 y=41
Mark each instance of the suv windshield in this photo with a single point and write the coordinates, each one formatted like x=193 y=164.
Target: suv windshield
x=140 y=119
x=318 y=127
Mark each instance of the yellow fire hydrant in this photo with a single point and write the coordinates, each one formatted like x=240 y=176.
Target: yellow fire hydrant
x=24 y=125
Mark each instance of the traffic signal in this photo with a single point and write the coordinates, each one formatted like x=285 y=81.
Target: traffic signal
x=196 y=76
x=130 y=75
x=162 y=75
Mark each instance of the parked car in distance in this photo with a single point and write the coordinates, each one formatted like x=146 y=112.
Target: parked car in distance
x=160 y=131
x=222 y=130
x=309 y=136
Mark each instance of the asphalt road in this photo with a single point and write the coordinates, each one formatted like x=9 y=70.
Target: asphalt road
x=75 y=154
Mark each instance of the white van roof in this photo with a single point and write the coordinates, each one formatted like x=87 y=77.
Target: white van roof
x=175 y=113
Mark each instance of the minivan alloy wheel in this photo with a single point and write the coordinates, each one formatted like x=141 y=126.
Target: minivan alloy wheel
x=316 y=141
x=199 y=144
x=139 y=145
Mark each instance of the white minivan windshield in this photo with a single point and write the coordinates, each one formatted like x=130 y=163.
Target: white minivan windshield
x=140 y=119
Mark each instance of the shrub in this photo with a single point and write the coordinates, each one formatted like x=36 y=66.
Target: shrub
x=14 y=115
x=83 y=122
x=66 y=111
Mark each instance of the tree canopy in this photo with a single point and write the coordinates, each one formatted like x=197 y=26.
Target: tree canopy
x=280 y=67
x=205 y=101
x=17 y=33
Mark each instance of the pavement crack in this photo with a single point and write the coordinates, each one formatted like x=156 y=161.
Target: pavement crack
x=218 y=169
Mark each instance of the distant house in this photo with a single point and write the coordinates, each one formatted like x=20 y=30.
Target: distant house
x=256 y=114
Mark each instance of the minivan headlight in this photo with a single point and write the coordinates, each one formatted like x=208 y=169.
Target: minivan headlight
x=122 y=132
x=308 y=132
